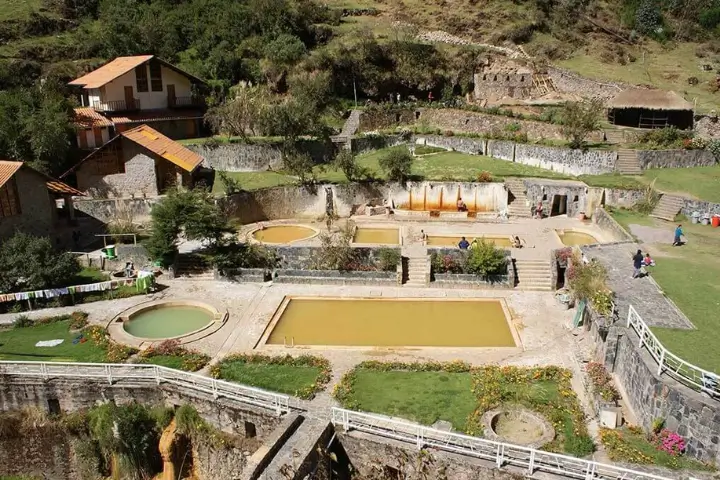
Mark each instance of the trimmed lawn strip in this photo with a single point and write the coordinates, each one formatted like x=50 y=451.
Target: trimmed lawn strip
x=461 y=394
x=301 y=376
x=701 y=182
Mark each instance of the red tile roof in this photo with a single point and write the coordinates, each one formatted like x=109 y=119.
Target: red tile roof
x=161 y=145
x=9 y=169
x=87 y=117
x=110 y=71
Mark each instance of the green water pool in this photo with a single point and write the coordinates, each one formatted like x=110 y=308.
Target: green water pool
x=168 y=322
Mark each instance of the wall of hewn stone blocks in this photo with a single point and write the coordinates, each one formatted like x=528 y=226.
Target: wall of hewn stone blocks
x=675 y=158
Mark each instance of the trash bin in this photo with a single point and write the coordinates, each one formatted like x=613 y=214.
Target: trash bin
x=715 y=221
x=695 y=217
x=705 y=219
x=110 y=251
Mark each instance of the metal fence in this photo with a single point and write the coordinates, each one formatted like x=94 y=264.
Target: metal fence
x=705 y=381
x=501 y=454
x=113 y=372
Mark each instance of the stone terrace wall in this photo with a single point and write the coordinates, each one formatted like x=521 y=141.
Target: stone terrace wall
x=675 y=158
x=569 y=82
x=463 y=121
x=107 y=210
x=607 y=223
x=690 y=414
x=369 y=143
x=238 y=157
x=473 y=146
x=502 y=149
x=692 y=205
x=565 y=160
x=615 y=197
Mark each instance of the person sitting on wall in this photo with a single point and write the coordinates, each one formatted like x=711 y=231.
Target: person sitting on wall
x=539 y=211
x=464 y=244
x=516 y=243
x=461 y=205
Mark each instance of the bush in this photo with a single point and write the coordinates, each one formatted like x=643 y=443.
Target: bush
x=485 y=259
x=589 y=282
x=445 y=264
x=484 y=177
x=579 y=119
x=602 y=382
x=78 y=320
x=388 y=259
x=397 y=164
x=22 y=321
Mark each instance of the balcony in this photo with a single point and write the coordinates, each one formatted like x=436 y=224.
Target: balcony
x=117 y=106
x=186 y=102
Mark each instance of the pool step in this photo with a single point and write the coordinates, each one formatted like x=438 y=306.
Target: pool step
x=416 y=266
x=193 y=267
x=533 y=275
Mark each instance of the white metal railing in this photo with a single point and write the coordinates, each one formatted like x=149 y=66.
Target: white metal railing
x=113 y=372
x=501 y=454
x=708 y=382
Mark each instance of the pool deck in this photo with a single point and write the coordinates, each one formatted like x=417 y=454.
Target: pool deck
x=539 y=236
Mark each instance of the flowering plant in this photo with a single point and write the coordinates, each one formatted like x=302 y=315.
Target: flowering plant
x=670 y=442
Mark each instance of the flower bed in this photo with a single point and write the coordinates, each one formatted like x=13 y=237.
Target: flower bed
x=301 y=376
x=601 y=382
x=170 y=354
x=665 y=448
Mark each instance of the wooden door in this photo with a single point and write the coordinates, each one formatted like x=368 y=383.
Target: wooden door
x=171 y=95
x=129 y=98
x=98 y=137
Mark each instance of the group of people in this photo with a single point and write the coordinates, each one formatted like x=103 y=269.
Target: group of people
x=640 y=262
x=463 y=244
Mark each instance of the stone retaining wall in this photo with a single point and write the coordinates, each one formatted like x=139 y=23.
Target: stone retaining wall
x=701 y=206
x=465 y=280
x=253 y=157
x=472 y=146
x=335 y=277
x=565 y=160
x=464 y=121
x=605 y=221
x=302 y=258
x=501 y=149
x=107 y=210
x=615 y=197
x=369 y=143
x=675 y=158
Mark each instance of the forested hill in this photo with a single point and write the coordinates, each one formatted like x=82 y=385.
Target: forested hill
x=371 y=47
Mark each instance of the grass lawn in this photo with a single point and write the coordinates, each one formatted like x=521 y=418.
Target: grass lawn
x=19 y=344
x=89 y=275
x=627 y=217
x=701 y=182
x=423 y=397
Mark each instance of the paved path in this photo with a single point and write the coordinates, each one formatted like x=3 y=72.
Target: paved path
x=642 y=293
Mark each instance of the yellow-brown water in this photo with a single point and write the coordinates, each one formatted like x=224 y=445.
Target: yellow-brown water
x=283 y=234
x=570 y=238
x=385 y=236
x=449 y=241
x=393 y=323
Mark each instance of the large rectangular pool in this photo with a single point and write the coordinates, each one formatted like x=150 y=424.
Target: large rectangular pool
x=367 y=322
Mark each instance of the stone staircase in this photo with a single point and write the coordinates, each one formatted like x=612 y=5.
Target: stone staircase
x=519 y=206
x=533 y=275
x=349 y=129
x=627 y=162
x=614 y=136
x=416 y=266
x=668 y=207
x=192 y=267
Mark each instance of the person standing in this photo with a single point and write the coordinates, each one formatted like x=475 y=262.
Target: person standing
x=463 y=244
x=637 y=263
x=678 y=234
x=430 y=97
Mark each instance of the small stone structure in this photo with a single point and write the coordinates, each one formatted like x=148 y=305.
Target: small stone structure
x=530 y=428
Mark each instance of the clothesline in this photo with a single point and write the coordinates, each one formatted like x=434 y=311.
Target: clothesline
x=56 y=292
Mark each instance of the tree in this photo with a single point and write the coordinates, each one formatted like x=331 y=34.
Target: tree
x=345 y=161
x=301 y=165
x=239 y=115
x=397 y=164
x=485 y=259
x=31 y=263
x=580 y=119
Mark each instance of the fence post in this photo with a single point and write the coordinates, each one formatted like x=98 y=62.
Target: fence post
x=43 y=370
x=346 y=420
x=641 y=334
x=419 y=439
x=630 y=312
x=661 y=361
x=499 y=455
x=531 y=464
x=157 y=375
x=108 y=369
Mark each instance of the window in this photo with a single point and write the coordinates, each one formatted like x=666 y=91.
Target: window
x=9 y=200
x=141 y=77
x=156 y=77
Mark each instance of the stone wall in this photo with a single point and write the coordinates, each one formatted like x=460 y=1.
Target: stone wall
x=472 y=146
x=139 y=177
x=452 y=280
x=701 y=206
x=107 y=210
x=615 y=197
x=464 y=121
x=685 y=411
x=502 y=149
x=707 y=126
x=565 y=160
x=43 y=452
x=302 y=258
x=369 y=143
x=37 y=209
x=335 y=277
x=240 y=157
x=569 y=82
x=544 y=190
x=605 y=221
x=675 y=158
x=211 y=463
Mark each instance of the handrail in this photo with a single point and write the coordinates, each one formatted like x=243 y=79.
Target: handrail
x=708 y=382
x=113 y=372
x=501 y=454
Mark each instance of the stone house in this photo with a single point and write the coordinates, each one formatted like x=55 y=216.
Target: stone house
x=140 y=162
x=130 y=91
x=34 y=203
x=496 y=81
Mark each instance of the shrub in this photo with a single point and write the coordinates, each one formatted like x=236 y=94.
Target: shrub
x=512 y=127
x=232 y=185
x=397 y=164
x=484 y=177
x=388 y=259
x=345 y=162
x=445 y=264
x=602 y=382
x=336 y=252
x=22 y=321
x=486 y=259
x=579 y=119
x=192 y=361
x=78 y=320
x=589 y=282
x=714 y=147
x=449 y=133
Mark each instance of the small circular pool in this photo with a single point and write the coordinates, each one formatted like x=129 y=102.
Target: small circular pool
x=572 y=238
x=168 y=320
x=283 y=233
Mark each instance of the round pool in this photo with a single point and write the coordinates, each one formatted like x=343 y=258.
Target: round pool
x=165 y=320
x=572 y=238
x=283 y=234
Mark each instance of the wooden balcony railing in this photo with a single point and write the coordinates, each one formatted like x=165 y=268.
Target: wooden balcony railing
x=117 y=106
x=185 y=102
